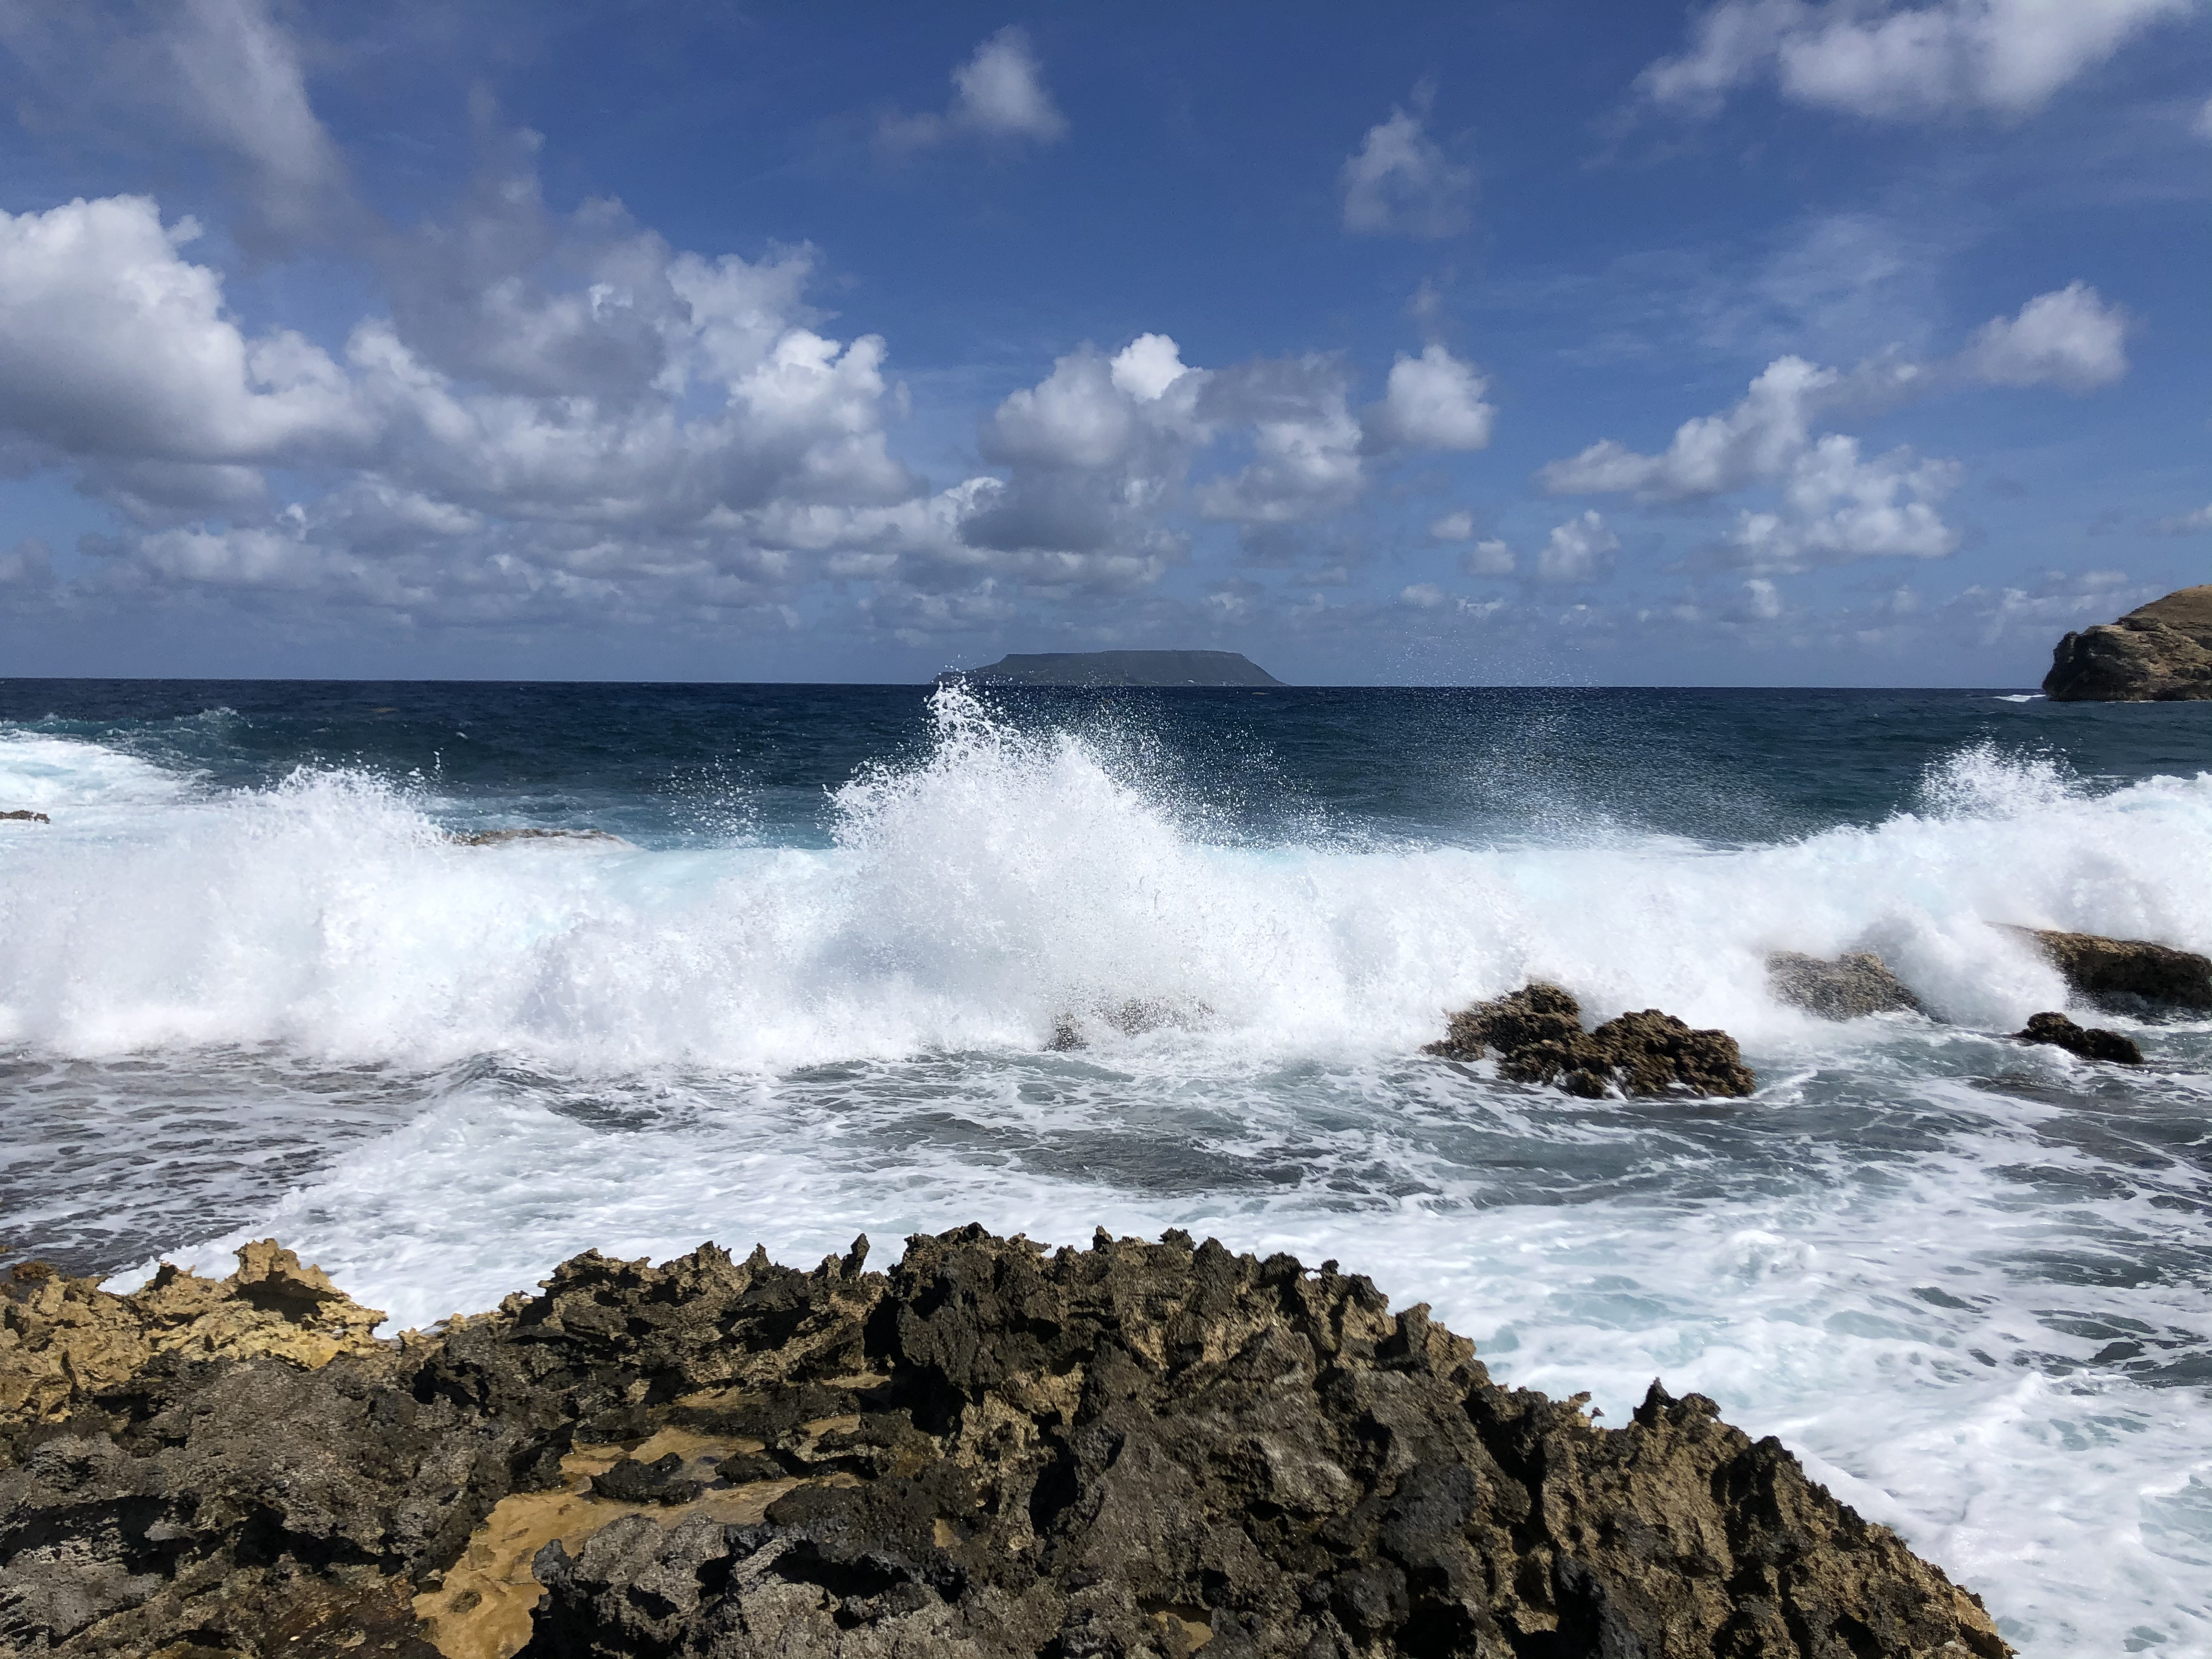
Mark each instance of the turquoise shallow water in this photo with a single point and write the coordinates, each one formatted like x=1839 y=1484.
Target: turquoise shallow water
x=253 y=985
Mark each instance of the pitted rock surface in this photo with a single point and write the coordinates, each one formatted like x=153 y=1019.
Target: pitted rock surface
x=2158 y=652
x=2130 y=976
x=993 y=1449
x=1538 y=1033
x=1851 y=986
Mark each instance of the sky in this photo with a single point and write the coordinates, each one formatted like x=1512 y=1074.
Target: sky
x=1560 y=342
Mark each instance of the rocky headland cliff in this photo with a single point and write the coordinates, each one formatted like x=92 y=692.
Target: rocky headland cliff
x=1138 y=1448
x=2158 y=652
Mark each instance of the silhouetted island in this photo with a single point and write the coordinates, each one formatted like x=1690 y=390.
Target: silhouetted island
x=1118 y=668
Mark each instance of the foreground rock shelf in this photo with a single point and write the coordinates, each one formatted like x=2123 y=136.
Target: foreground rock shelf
x=1136 y=1449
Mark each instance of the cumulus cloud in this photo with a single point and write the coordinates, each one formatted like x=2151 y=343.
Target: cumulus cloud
x=1887 y=62
x=1432 y=402
x=1837 y=507
x=1710 y=454
x=1579 y=551
x=113 y=344
x=1400 y=182
x=999 y=93
x=1306 y=443
x=2184 y=524
x=220 y=73
x=2068 y=338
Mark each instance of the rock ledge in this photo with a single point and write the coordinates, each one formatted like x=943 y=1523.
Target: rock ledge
x=1134 y=1449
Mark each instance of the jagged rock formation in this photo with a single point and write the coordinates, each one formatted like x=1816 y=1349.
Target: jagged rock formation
x=2130 y=976
x=24 y=815
x=1134 y=1449
x=1538 y=1033
x=1852 y=986
x=2092 y=1044
x=2158 y=652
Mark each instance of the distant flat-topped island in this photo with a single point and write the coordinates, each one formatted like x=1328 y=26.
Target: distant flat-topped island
x=1134 y=668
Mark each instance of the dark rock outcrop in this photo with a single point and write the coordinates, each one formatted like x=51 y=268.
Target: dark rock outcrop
x=2092 y=1044
x=1538 y=1033
x=2158 y=652
x=1850 y=986
x=2130 y=975
x=1132 y=1450
x=24 y=815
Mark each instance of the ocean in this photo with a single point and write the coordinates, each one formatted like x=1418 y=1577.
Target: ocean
x=808 y=981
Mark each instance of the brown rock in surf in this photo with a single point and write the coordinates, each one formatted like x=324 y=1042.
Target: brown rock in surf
x=1538 y=1033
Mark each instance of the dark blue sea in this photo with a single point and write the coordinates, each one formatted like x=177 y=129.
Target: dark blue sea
x=793 y=970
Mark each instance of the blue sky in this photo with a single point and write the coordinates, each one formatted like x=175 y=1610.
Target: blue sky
x=1763 y=342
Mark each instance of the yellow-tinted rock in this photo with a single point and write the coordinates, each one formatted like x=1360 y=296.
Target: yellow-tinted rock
x=63 y=1340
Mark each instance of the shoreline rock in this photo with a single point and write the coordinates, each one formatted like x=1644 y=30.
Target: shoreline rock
x=2128 y=976
x=24 y=815
x=1851 y=986
x=505 y=837
x=2158 y=652
x=991 y=1449
x=2092 y=1044
x=1538 y=1033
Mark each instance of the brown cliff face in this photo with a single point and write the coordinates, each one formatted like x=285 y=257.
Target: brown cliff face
x=1134 y=1449
x=2159 y=653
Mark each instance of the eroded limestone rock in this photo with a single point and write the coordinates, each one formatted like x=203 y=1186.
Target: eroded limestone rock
x=993 y=1450
x=1538 y=1033
x=62 y=1340
x=2158 y=652
x=1851 y=986
x=2131 y=974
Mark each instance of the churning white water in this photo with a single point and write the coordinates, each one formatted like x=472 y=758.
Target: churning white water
x=1970 y=1282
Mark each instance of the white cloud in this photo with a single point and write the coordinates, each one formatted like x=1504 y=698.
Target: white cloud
x=1837 y=508
x=1422 y=596
x=1487 y=557
x=1761 y=603
x=1433 y=402
x=1400 y=182
x=1886 y=62
x=999 y=93
x=238 y=78
x=2184 y=524
x=1712 y=454
x=219 y=73
x=112 y=343
x=1579 y=551
x=2068 y=337
x=2202 y=126
x=1306 y=444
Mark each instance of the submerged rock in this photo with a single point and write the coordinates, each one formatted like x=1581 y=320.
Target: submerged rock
x=502 y=837
x=2131 y=974
x=1853 y=986
x=24 y=815
x=2158 y=652
x=2091 y=1043
x=1538 y=1033
x=991 y=1451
